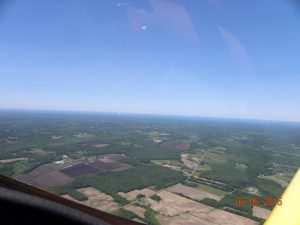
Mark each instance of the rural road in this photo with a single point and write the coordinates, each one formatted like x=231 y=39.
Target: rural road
x=191 y=174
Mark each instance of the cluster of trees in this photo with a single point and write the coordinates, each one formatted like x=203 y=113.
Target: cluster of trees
x=193 y=182
x=120 y=199
x=140 y=196
x=15 y=168
x=229 y=200
x=77 y=195
x=125 y=214
x=268 y=188
x=150 y=218
x=155 y=198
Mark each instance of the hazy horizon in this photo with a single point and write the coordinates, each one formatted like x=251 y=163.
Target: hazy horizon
x=88 y=112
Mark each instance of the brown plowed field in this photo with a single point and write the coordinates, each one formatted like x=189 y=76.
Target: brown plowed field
x=96 y=199
x=177 y=210
x=110 y=166
x=45 y=176
x=261 y=212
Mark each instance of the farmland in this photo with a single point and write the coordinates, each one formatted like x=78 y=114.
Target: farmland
x=175 y=209
x=95 y=199
x=130 y=160
x=192 y=193
x=64 y=171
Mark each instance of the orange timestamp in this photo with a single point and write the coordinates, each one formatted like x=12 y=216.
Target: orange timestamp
x=258 y=201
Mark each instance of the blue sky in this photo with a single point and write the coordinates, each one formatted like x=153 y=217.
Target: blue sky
x=208 y=58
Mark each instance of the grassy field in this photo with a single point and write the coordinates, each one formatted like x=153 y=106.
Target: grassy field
x=213 y=157
x=283 y=181
x=209 y=189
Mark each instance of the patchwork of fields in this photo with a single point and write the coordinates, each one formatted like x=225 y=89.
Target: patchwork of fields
x=157 y=170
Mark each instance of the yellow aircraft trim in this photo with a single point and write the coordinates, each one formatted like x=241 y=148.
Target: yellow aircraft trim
x=289 y=212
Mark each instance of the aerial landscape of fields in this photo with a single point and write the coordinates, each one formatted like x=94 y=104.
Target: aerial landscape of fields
x=153 y=169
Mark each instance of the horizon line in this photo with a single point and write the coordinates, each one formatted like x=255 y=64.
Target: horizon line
x=149 y=114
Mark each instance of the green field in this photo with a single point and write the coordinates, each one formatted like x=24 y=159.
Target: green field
x=283 y=181
x=208 y=189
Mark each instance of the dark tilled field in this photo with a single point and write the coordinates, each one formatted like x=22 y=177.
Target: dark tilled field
x=45 y=176
x=52 y=179
x=110 y=166
x=80 y=169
